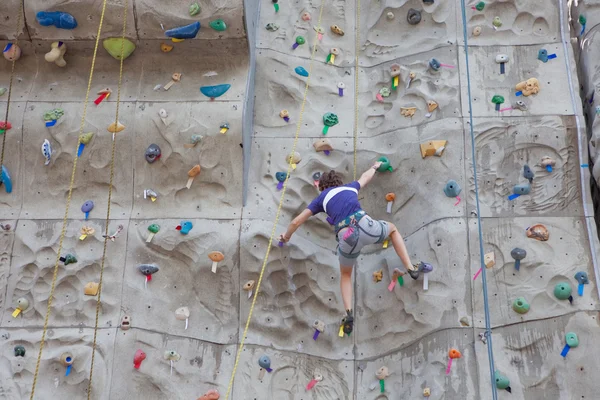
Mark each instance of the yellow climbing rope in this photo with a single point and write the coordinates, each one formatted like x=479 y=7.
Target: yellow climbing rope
x=110 y=188
x=10 y=85
x=273 y=230
x=356 y=52
x=64 y=224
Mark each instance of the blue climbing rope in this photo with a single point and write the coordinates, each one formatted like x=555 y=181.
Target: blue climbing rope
x=488 y=329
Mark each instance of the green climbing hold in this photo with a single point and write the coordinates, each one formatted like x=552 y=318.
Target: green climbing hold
x=497 y=99
x=154 y=228
x=86 y=138
x=19 y=351
x=300 y=40
x=385 y=92
x=194 y=9
x=520 y=305
x=480 y=6
x=113 y=47
x=329 y=119
x=218 y=25
x=502 y=382
x=572 y=340
x=497 y=22
x=53 y=115
x=385 y=165
x=69 y=259
x=562 y=291
x=582 y=20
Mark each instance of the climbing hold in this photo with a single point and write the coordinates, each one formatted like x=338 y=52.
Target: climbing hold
x=285 y=114
x=413 y=16
x=212 y=394
x=249 y=287
x=433 y=148
x=153 y=229
x=397 y=276
x=528 y=87
x=87 y=207
x=395 y=73
x=426 y=268
x=138 y=357
x=150 y=193
x=548 y=163
x=147 y=270
x=306 y=16
x=223 y=128
x=299 y=41
x=431 y=107
x=582 y=279
x=114 y=45
x=562 y=291
x=194 y=9
x=497 y=22
x=385 y=165
x=194 y=139
x=301 y=71
x=116 y=128
x=316 y=378
x=502 y=382
x=281 y=177
x=162 y=113
x=582 y=22
x=184 y=227
x=543 y=55
x=337 y=30
x=385 y=92
x=520 y=305
x=56 y=54
x=519 y=105
x=91 y=288
x=519 y=190
x=434 y=64
x=381 y=374
x=464 y=321
x=68 y=259
x=489 y=259
x=294 y=159
x=426 y=392
x=184 y=32
x=176 y=77
x=171 y=356
x=5 y=179
x=390 y=15
x=86 y=231
x=52 y=116
x=341 y=86
x=47 y=151
x=114 y=235
x=320 y=32
x=378 y=276
x=538 y=232
x=183 y=314
x=22 y=306
x=329 y=119
x=165 y=48
x=192 y=173
x=390 y=197
x=67 y=360
x=265 y=365
x=332 y=53
x=153 y=153
x=271 y=27
x=497 y=100
x=218 y=25
x=215 y=91
x=103 y=95
x=502 y=59
x=319 y=327
x=528 y=173
x=452 y=354
x=125 y=322
x=518 y=254
x=19 y=351
x=572 y=342
x=452 y=189
x=11 y=52
x=480 y=6
x=408 y=112
x=477 y=31
x=323 y=145
x=216 y=257
x=59 y=19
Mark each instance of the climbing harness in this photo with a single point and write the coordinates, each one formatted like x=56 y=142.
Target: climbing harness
x=488 y=328
x=107 y=236
x=69 y=195
x=279 y=207
x=10 y=85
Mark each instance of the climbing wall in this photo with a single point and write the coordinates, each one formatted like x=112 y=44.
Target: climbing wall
x=407 y=329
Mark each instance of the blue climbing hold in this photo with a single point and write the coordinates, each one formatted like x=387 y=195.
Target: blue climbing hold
x=59 y=19
x=185 y=227
x=519 y=190
x=184 y=32
x=301 y=71
x=543 y=55
x=5 y=179
x=215 y=91
x=452 y=188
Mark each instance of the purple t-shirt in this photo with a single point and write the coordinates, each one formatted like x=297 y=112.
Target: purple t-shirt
x=339 y=206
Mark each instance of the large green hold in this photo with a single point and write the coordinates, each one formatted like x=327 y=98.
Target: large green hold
x=502 y=382
x=562 y=290
x=571 y=339
x=218 y=25
x=520 y=305
x=113 y=46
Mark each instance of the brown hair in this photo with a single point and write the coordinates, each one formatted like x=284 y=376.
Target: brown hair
x=330 y=179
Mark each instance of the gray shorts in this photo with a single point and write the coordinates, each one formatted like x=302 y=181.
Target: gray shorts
x=370 y=231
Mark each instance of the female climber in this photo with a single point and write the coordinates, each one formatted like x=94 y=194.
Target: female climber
x=353 y=227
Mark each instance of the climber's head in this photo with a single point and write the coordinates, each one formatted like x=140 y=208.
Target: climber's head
x=330 y=179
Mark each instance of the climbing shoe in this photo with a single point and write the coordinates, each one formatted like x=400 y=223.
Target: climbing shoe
x=417 y=269
x=348 y=322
